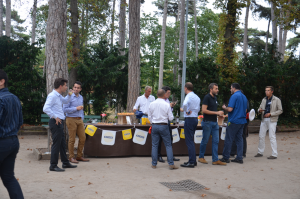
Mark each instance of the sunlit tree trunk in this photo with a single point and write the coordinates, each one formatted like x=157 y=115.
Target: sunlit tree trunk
x=196 y=27
x=33 y=21
x=181 y=37
x=1 y=18
x=113 y=24
x=8 y=18
x=245 y=47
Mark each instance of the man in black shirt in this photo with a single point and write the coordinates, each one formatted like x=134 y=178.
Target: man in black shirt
x=210 y=125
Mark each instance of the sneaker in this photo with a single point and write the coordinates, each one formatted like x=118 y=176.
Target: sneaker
x=153 y=167
x=272 y=157
x=237 y=161
x=172 y=167
x=219 y=163
x=224 y=160
x=202 y=160
x=258 y=155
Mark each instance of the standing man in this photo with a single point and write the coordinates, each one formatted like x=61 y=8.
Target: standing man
x=237 y=108
x=159 y=115
x=190 y=107
x=53 y=108
x=74 y=121
x=270 y=108
x=210 y=125
x=167 y=90
x=144 y=101
x=11 y=120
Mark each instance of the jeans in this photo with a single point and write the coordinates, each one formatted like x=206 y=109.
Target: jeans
x=190 y=126
x=234 y=148
x=163 y=132
x=160 y=140
x=8 y=152
x=233 y=132
x=59 y=143
x=210 y=128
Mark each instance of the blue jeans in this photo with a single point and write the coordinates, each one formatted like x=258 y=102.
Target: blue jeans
x=210 y=128
x=8 y=152
x=190 y=126
x=234 y=132
x=163 y=132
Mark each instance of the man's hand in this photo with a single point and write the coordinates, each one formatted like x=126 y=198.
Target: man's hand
x=172 y=104
x=267 y=115
x=134 y=110
x=224 y=107
x=79 y=108
x=57 y=121
x=188 y=113
x=261 y=110
x=181 y=110
x=220 y=113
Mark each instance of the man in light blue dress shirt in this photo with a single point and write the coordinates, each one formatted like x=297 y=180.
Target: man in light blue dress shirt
x=191 y=108
x=53 y=108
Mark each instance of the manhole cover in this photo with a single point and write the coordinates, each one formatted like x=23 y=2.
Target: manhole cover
x=183 y=185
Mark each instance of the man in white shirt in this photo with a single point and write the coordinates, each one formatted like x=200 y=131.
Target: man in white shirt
x=159 y=115
x=53 y=108
x=191 y=108
x=144 y=101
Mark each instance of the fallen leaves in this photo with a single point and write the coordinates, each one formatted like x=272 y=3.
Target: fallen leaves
x=207 y=188
x=21 y=137
x=47 y=171
x=272 y=168
x=203 y=195
x=294 y=143
x=90 y=183
x=262 y=170
x=287 y=151
x=50 y=190
x=225 y=178
x=72 y=186
x=96 y=192
x=289 y=158
x=229 y=186
x=170 y=190
x=107 y=163
x=29 y=161
x=71 y=179
x=18 y=179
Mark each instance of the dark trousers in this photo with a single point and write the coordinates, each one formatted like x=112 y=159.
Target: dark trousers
x=59 y=143
x=234 y=147
x=160 y=140
x=233 y=132
x=190 y=126
x=8 y=152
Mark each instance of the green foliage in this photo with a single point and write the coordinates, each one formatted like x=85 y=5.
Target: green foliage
x=18 y=59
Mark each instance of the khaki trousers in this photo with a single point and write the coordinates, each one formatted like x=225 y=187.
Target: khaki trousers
x=75 y=126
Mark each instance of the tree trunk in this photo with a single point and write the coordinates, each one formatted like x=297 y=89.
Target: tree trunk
x=8 y=18
x=75 y=41
x=274 y=22
x=86 y=23
x=285 y=31
x=175 y=56
x=1 y=18
x=113 y=24
x=33 y=21
x=122 y=25
x=196 y=27
x=56 y=43
x=280 y=34
x=181 y=37
x=134 y=54
x=162 y=47
x=245 y=47
x=267 y=36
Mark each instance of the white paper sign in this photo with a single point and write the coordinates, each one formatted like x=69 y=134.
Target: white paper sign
x=108 y=137
x=198 y=136
x=128 y=120
x=223 y=134
x=140 y=137
x=175 y=135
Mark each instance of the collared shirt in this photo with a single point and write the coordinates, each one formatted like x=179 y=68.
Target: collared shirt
x=268 y=105
x=144 y=103
x=212 y=105
x=160 y=111
x=53 y=105
x=191 y=103
x=71 y=108
x=11 y=118
x=238 y=102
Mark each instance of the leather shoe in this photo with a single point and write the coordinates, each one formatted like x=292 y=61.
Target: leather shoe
x=172 y=167
x=225 y=160
x=68 y=166
x=160 y=159
x=188 y=165
x=237 y=161
x=57 y=169
x=72 y=160
x=195 y=164
x=176 y=159
x=82 y=159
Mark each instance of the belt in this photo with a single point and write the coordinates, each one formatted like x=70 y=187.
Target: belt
x=10 y=137
x=78 y=118
x=191 y=118
x=160 y=123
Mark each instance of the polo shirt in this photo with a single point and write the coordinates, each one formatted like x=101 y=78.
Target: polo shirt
x=212 y=105
x=238 y=102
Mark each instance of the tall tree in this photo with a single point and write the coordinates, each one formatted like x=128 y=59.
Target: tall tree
x=75 y=41
x=56 y=43
x=122 y=25
x=162 y=48
x=196 y=34
x=112 y=24
x=33 y=21
x=274 y=22
x=8 y=18
x=245 y=47
x=1 y=18
x=181 y=36
x=134 y=54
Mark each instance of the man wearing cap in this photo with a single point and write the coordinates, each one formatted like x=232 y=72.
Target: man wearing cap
x=270 y=108
x=144 y=101
x=159 y=115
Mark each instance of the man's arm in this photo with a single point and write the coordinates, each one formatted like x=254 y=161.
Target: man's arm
x=65 y=100
x=231 y=104
x=279 y=109
x=261 y=107
x=205 y=111
x=185 y=104
x=136 y=106
x=47 y=107
x=170 y=114
x=68 y=109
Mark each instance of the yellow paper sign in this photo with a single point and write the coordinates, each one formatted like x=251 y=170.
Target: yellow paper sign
x=145 y=121
x=90 y=130
x=182 y=135
x=127 y=135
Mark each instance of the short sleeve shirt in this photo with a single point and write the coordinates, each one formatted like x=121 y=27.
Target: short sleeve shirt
x=238 y=102
x=212 y=105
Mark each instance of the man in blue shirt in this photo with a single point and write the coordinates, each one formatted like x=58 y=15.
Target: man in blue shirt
x=237 y=108
x=190 y=107
x=53 y=108
x=11 y=120
x=74 y=121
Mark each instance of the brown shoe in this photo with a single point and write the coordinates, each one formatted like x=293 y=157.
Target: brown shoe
x=202 y=160
x=219 y=163
x=72 y=160
x=258 y=155
x=82 y=159
x=171 y=167
x=153 y=167
x=272 y=157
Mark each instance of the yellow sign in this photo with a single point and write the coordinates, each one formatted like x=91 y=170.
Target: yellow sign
x=90 y=130
x=182 y=135
x=127 y=135
x=145 y=121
